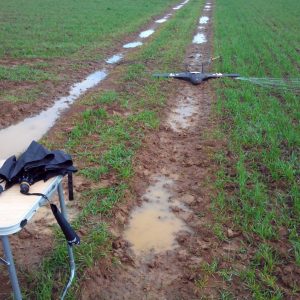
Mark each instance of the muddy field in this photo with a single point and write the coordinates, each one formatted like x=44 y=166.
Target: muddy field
x=164 y=240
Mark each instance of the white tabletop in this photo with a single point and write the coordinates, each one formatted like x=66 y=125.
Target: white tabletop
x=16 y=207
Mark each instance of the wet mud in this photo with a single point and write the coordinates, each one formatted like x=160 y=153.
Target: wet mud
x=167 y=238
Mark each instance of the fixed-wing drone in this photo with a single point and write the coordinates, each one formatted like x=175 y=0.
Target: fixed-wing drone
x=195 y=77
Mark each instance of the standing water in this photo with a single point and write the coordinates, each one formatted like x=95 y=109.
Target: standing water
x=146 y=33
x=153 y=226
x=114 y=59
x=181 y=5
x=199 y=38
x=133 y=45
x=161 y=20
x=16 y=138
x=203 y=20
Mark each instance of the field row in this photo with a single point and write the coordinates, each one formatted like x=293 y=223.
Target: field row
x=258 y=180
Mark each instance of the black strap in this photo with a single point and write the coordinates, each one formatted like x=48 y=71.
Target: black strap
x=70 y=186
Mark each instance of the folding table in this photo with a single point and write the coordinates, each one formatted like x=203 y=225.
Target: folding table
x=16 y=210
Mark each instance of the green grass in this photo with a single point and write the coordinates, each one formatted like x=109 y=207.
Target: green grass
x=38 y=28
x=23 y=73
x=94 y=246
x=259 y=184
x=21 y=95
x=104 y=145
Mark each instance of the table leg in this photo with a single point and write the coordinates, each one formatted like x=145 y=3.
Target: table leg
x=11 y=267
x=70 y=250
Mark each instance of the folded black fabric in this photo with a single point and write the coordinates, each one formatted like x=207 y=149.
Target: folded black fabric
x=8 y=168
x=36 y=163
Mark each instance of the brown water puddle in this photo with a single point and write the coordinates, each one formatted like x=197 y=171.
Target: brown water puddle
x=153 y=226
x=16 y=138
x=181 y=116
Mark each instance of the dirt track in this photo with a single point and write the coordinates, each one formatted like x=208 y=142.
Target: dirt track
x=179 y=176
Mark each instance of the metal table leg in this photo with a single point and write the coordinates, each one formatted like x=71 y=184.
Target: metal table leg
x=70 y=249
x=9 y=262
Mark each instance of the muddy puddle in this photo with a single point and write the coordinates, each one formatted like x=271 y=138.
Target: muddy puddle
x=164 y=19
x=132 y=45
x=199 y=38
x=16 y=138
x=153 y=226
x=114 y=59
x=180 y=5
x=161 y=20
x=197 y=57
x=204 y=20
x=181 y=117
x=146 y=33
